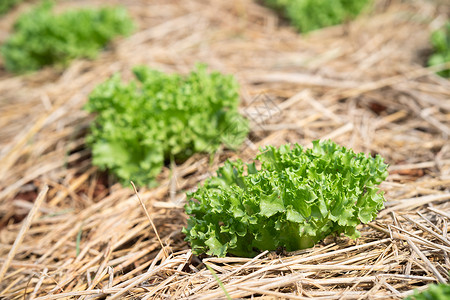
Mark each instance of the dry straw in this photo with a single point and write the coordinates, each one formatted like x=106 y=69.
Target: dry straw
x=362 y=84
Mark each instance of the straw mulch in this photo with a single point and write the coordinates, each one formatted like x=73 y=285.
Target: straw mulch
x=362 y=84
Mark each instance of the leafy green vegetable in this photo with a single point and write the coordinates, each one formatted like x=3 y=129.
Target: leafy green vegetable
x=141 y=124
x=434 y=292
x=6 y=5
x=296 y=198
x=440 y=39
x=42 y=38
x=308 y=15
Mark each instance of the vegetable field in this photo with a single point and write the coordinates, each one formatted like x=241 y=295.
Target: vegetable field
x=129 y=165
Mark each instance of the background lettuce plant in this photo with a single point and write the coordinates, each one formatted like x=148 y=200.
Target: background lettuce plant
x=308 y=15
x=440 y=40
x=43 y=38
x=433 y=292
x=141 y=124
x=295 y=199
x=6 y=5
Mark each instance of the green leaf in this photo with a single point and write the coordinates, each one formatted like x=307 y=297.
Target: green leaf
x=216 y=248
x=271 y=204
x=294 y=216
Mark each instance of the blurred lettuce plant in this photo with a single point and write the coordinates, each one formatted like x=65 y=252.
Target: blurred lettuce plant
x=141 y=124
x=6 y=5
x=43 y=38
x=440 y=40
x=308 y=15
x=433 y=292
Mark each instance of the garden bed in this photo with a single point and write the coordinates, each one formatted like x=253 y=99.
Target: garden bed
x=362 y=84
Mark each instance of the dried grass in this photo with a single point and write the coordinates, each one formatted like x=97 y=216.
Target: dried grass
x=362 y=84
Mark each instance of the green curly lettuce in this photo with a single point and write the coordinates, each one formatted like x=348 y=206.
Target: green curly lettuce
x=6 y=5
x=295 y=199
x=141 y=124
x=434 y=292
x=440 y=40
x=308 y=15
x=43 y=38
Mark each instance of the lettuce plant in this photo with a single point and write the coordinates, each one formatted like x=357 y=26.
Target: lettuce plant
x=293 y=200
x=434 y=292
x=142 y=124
x=6 y=5
x=43 y=38
x=440 y=40
x=308 y=15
